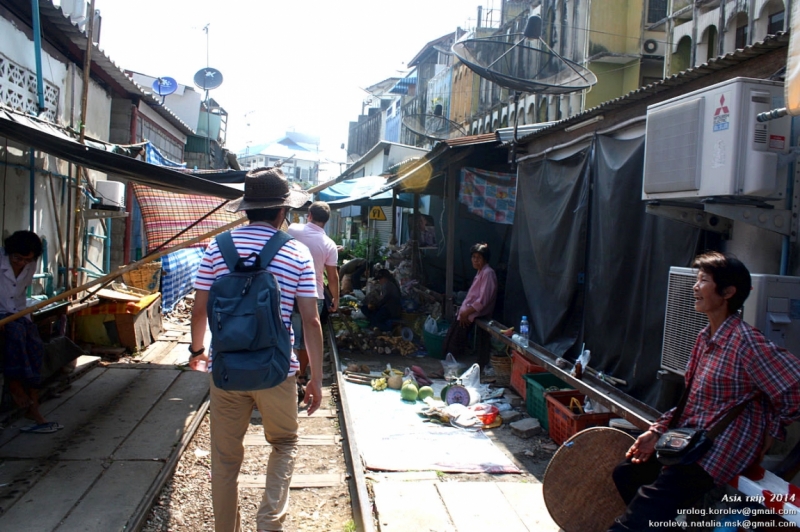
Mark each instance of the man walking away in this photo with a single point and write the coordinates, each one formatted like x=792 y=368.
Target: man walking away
x=323 y=251
x=267 y=199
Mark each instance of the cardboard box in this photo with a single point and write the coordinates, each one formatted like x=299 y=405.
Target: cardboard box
x=142 y=329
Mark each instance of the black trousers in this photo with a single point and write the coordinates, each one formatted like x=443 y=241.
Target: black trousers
x=654 y=493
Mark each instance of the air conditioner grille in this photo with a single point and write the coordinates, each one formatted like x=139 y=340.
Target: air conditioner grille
x=682 y=322
x=672 y=154
x=760 y=136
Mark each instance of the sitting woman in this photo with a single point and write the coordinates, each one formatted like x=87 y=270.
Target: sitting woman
x=389 y=306
x=23 y=348
x=731 y=366
x=479 y=302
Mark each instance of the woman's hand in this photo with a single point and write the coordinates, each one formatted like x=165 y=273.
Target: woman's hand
x=463 y=316
x=643 y=448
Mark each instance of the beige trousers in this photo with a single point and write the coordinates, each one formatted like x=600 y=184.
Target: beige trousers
x=230 y=417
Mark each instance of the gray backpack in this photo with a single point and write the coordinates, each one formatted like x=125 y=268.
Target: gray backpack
x=250 y=345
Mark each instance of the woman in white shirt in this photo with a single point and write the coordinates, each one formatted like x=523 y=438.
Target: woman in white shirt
x=23 y=349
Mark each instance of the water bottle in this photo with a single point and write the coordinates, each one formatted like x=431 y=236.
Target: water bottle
x=524 y=331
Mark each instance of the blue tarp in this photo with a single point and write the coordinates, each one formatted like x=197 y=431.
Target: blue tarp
x=364 y=191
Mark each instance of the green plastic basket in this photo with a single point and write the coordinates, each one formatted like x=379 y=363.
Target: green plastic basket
x=435 y=342
x=535 y=386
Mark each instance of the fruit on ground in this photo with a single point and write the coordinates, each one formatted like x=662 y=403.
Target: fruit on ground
x=424 y=393
x=395 y=382
x=409 y=392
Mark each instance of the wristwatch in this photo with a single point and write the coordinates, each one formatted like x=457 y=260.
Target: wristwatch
x=196 y=353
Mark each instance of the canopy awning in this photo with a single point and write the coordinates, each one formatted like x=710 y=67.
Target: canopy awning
x=59 y=142
x=368 y=190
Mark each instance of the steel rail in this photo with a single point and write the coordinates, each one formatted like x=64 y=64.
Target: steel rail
x=359 y=495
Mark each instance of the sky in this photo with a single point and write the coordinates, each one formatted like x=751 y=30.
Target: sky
x=287 y=65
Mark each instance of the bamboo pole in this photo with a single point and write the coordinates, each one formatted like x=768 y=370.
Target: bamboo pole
x=124 y=269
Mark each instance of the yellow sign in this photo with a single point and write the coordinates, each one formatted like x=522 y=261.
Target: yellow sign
x=376 y=213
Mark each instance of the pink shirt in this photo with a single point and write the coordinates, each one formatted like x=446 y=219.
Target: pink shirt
x=481 y=294
x=323 y=249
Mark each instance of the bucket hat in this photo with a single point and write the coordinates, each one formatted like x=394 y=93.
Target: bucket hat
x=268 y=188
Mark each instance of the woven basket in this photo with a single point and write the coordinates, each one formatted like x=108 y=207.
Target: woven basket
x=502 y=369
x=147 y=277
x=578 y=489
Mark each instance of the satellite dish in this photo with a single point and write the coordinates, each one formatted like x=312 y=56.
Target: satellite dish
x=164 y=86
x=433 y=126
x=208 y=78
x=523 y=62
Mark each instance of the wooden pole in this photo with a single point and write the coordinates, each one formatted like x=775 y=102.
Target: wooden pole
x=451 y=206
x=125 y=269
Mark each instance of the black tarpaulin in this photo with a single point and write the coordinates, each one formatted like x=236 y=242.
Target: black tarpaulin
x=593 y=267
x=51 y=139
x=547 y=250
x=630 y=253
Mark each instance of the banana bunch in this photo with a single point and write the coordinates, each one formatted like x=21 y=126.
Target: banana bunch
x=379 y=384
x=388 y=372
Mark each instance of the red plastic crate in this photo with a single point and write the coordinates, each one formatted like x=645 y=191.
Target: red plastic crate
x=563 y=423
x=522 y=366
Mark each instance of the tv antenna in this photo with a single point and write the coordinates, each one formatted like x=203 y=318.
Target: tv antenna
x=434 y=126
x=523 y=62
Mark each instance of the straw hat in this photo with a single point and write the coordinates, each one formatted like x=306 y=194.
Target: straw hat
x=267 y=188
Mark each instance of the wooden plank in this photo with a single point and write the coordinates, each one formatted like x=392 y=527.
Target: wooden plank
x=111 y=426
x=75 y=414
x=17 y=477
x=528 y=502
x=324 y=480
x=403 y=476
x=105 y=293
x=303 y=439
x=178 y=355
x=479 y=506
x=322 y=412
x=165 y=424
x=156 y=354
x=172 y=326
x=412 y=506
x=53 y=496
x=110 y=503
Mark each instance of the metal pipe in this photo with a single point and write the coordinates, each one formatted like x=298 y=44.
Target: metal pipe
x=37 y=50
x=107 y=251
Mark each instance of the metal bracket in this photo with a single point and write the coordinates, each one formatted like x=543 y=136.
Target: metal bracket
x=95 y=214
x=776 y=220
x=692 y=215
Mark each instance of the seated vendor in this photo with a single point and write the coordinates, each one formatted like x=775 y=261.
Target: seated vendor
x=479 y=302
x=22 y=347
x=389 y=306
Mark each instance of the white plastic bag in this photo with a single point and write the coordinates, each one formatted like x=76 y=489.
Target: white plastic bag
x=431 y=326
x=450 y=367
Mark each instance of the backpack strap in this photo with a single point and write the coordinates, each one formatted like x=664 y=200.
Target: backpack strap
x=228 y=250
x=273 y=245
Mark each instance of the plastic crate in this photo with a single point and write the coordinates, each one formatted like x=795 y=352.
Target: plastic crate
x=536 y=384
x=521 y=366
x=563 y=423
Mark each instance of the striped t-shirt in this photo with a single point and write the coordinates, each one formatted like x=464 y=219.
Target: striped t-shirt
x=293 y=267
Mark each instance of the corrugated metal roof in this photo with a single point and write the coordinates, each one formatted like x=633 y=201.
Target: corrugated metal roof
x=471 y=140
x=770 y=43
x=56 y=16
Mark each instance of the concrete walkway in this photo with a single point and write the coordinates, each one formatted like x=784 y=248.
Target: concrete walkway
x=125 y=426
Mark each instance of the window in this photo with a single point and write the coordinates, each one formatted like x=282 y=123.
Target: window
x=741 y=36
x=775 y=23
x=656 y=10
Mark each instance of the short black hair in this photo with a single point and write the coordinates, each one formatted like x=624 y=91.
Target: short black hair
x=482 y=248
x=24 y=243
x=263 y=215
x=320 y=212
x=726 y=270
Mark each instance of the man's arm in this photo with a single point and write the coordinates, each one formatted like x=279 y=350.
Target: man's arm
x=199 y=319
x=312 y=336
x=333 y=285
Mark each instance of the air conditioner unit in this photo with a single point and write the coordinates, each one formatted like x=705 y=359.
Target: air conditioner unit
x=652 y=47
x=709 y=143
x=773 y=307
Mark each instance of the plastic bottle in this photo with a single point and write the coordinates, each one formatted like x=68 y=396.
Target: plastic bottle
x=524 y=331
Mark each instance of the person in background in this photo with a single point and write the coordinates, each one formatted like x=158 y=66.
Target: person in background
x=389 y=306
x=479 y=302
x=24 y=350
x=732 y=363
x=326 y=256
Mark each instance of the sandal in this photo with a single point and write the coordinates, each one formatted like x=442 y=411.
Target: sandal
x=42 y=428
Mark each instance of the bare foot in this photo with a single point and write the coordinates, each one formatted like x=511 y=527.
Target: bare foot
x=21 y=399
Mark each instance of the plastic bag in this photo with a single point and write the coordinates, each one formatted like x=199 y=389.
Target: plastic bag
x=450 y=367
x=409 y=375
x=472 y=377
x=431 y=326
